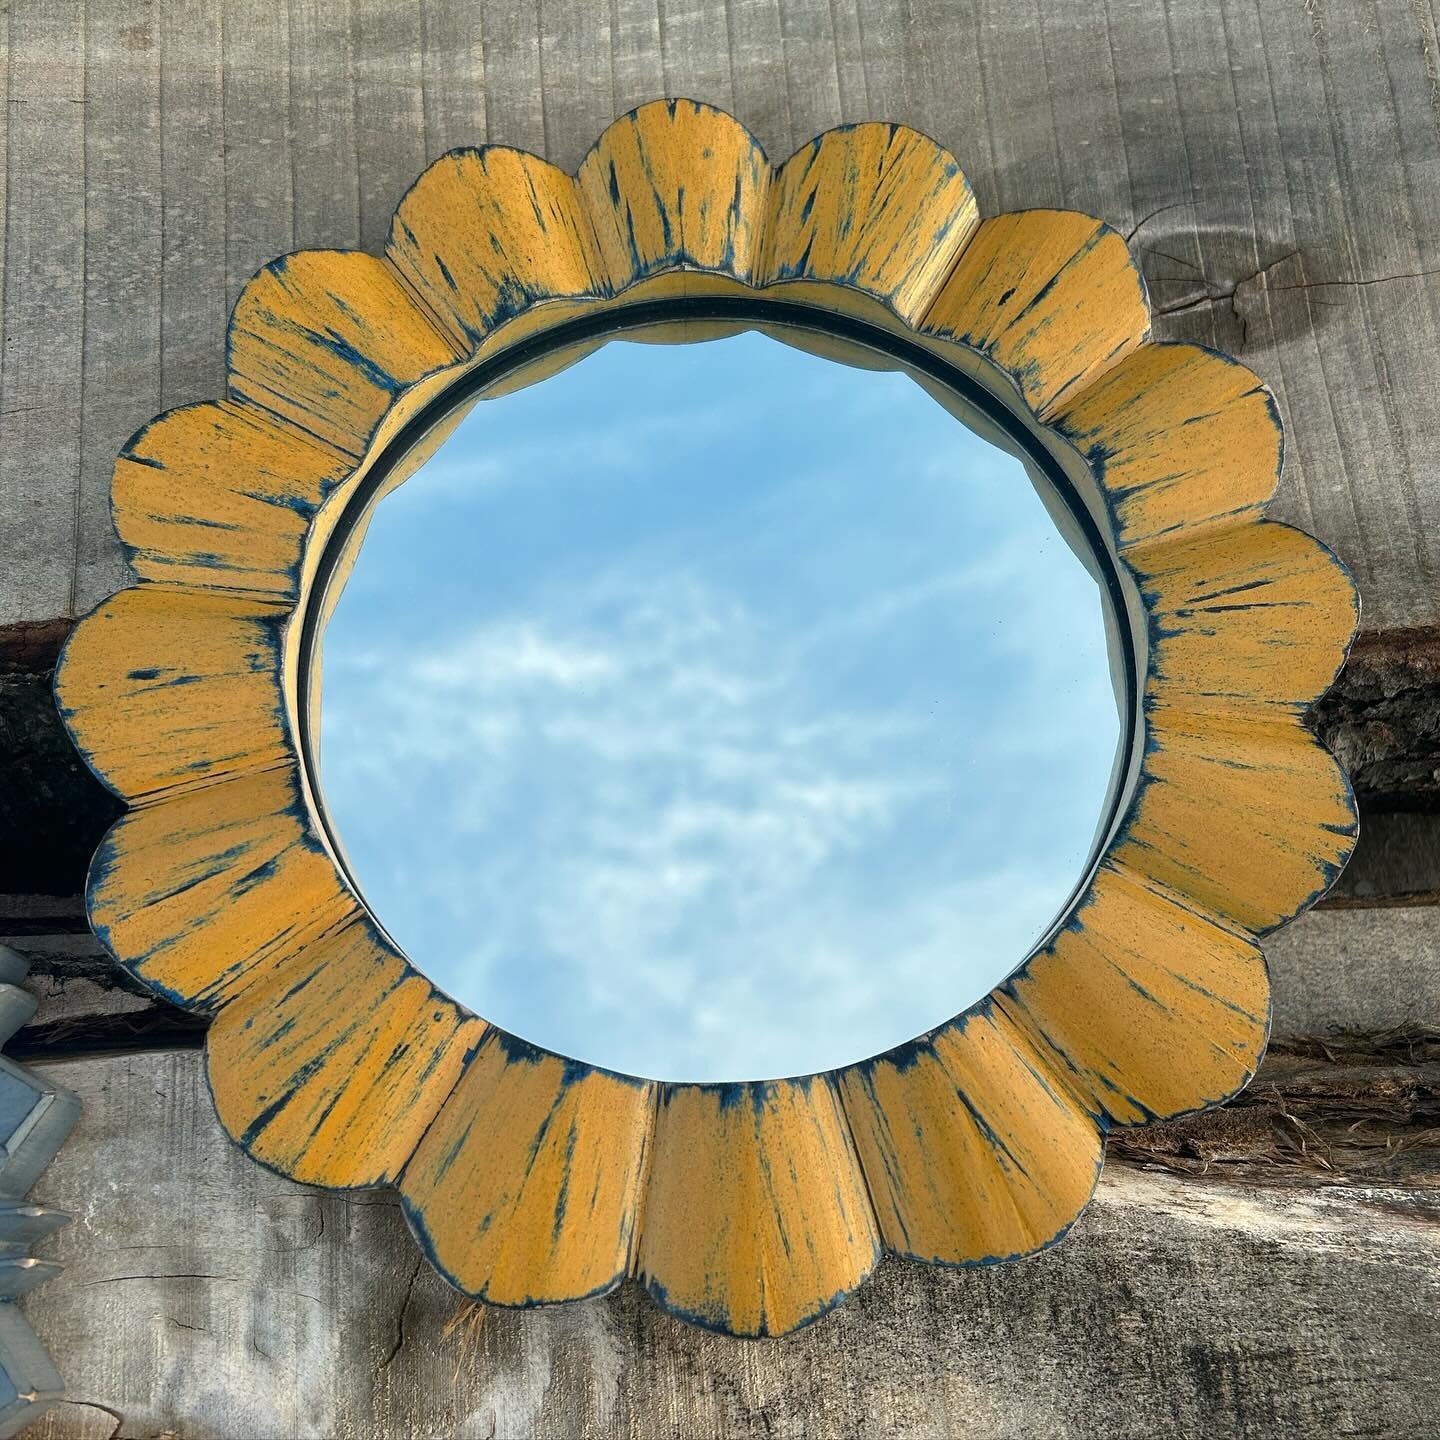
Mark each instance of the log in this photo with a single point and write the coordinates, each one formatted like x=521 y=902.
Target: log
x=206 y=1297
x=1335 y=970
x=1382 y=718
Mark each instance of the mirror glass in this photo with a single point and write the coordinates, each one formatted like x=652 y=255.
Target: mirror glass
x=718 y=711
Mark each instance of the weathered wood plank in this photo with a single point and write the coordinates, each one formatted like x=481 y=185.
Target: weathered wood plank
x=195 y=294
x=387 y=76
x=1333 y=971
x=575 y=62
x=1278 y=166
x=811 y=49
x=124 y=188
x=454 y=61
x=205 y=1297
x=5 y=69
x=515 y=105
x=322 y=126
x=695 y=53
x=259 y=187
x=1344 y=1110
x=760 y=66
x=637 y=72
x=44 y=303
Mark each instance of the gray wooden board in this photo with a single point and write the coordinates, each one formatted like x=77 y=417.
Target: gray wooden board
x=205 y=1297
x=1278 y=166
x=44 y=303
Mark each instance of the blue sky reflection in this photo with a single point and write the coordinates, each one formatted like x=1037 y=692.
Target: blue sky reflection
x=716 y=712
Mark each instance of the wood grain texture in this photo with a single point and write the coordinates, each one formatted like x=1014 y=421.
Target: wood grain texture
x=1275 y=168
x=42 y=363
x=206 y=1297
x=124 y=239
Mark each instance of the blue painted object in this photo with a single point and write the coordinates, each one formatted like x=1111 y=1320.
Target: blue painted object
x=35 y=1118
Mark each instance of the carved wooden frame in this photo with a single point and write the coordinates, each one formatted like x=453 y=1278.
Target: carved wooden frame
x=530 y=1178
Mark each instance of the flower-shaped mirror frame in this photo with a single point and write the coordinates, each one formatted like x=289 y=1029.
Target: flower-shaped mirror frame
x=529 y=1177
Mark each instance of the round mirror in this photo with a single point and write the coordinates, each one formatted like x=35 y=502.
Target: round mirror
x=718 y=711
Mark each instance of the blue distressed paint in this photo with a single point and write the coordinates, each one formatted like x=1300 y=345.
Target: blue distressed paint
x=562 y=1196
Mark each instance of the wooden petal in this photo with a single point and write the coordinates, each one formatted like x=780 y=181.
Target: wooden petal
x=1051 y=296
x=220 y=496
x=878 y=207
x=1153 y=1007
x=331 y=1069
x=526 y=1188
x=1180 y=438
x=1251 y=615
x=756 y=1215
x=327 y=340
x=164 y=689
x=484 y=234
x=972 y=1151
x=675 y=183
x=1251 y=818
x=206 y=892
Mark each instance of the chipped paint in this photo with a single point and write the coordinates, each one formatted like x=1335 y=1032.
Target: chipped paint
x=529 y=1178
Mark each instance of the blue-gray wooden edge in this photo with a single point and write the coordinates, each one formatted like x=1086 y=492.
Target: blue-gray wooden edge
x=35 y=1118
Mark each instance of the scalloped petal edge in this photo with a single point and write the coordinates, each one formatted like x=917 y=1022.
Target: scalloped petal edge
x=978 y=1142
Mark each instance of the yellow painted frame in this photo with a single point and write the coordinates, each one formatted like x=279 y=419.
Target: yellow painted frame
x=530 y=1178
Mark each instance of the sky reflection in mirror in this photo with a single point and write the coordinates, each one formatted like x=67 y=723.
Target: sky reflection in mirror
x=716 y=712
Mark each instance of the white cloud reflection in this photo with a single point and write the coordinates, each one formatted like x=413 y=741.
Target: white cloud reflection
x=748 y=750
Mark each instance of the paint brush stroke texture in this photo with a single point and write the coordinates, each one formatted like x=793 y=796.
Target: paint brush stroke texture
x=1152 y=1000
